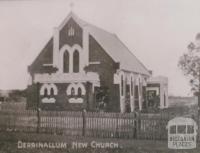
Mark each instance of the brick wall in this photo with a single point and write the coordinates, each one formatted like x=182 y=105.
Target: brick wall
x=106 y=70
x=45 y=57
x=62 y=99
x=71 y=40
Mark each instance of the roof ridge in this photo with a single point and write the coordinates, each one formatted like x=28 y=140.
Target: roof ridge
x=111 y=43
x=75 y=17
x=108 y=32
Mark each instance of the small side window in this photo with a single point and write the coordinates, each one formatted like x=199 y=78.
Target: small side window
x=122 y=85
x=131 y=86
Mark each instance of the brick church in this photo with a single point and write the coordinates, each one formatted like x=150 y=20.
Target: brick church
x=85 y=67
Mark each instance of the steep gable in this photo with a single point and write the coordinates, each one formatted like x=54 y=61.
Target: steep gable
x=114 y=47
x=76 y=30
x=43 y=63
x=108 y=41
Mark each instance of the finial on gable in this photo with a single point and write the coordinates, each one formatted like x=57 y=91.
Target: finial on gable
x=71 y=6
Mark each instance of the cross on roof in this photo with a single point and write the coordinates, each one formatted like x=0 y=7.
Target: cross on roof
x=71 y=6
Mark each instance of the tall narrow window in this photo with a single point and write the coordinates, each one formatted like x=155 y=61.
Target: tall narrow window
x=131 y=86
x=66 y=62
x=136 y=92
x=122 y=86
x=164 y=100
x=144 y=101
x=125 y=87
x=136 y=95
x=72 y=91
x=76 y=62
x=79 y=92
x=45 y=92
x=51 y=92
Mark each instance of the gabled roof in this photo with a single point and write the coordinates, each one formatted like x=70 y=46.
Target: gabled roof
x=112 y=45
x=118 y=51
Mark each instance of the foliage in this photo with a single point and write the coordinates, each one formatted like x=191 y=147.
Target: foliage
x=16 y=95
x=189 y=63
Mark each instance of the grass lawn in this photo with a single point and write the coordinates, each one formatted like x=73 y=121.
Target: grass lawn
x=8 y=144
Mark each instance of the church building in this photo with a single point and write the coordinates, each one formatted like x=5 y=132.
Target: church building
x=85 y=67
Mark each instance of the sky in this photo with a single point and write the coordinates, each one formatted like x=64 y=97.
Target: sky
x=156 y=31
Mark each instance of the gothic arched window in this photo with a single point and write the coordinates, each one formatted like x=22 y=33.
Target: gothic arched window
x=66 y=62
x=79 y=92
x=72 y=91
x=131 y=86
x=51 y=92
x=76 y=61
x=48 y=90
x=122 y=85
x=45 y=92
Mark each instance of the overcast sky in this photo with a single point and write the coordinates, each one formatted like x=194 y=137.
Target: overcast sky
x=156 y=31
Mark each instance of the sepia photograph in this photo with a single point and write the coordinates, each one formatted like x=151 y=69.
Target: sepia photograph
x=99 y=76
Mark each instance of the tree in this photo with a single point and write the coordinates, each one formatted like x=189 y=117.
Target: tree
x=16 y=95
x=189 y=63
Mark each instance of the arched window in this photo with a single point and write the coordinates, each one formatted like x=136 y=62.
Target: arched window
x=45 y=92
x=51 y=92
x=131 y=86
x=48 y=90
x=164 y=100
x=72 y=91
x=66 y=62
x=122 y=86
x=76 y=88
x=79 y=92
x=76 y=61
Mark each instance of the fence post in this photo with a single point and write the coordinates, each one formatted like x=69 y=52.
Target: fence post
x=38 y=120
x=117 y=128
x=138 y=125
x=84 y=122
x=135 y=126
